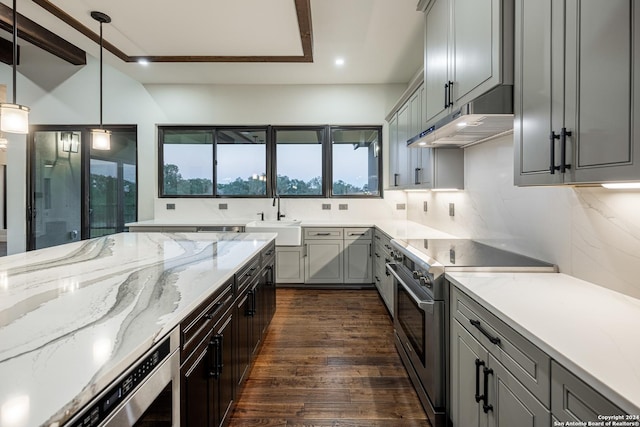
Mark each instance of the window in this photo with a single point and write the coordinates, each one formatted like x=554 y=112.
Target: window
x=262 y=161
x=241 y=159
x=187 y=162
x=299 y=162
x=355 y=161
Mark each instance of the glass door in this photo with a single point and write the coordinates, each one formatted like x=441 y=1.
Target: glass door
x=76 y=192
x=56 y=183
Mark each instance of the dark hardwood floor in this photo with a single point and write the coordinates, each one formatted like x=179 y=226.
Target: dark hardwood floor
x=328 y=360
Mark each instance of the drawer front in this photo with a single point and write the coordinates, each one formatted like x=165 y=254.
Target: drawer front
x=268 y=254
x=245 y=275
x=322 y=233
x=530 y=365
x=358 y=233
x=199 y=323
x=382 y=238
x=574 y=400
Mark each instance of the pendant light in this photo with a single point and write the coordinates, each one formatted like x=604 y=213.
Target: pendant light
x=14 y=118
x=100 y=138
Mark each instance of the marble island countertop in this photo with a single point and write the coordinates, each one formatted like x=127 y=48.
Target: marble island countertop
x=75 y=316
x=591 y=330
x=397 y=229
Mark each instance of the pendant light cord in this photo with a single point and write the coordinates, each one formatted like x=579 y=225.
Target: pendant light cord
x=100 y=73
x=15 y=49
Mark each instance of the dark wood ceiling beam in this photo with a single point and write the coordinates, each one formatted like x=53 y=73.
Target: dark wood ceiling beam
x=6 y=52
x=41 y=37
x=303 y=12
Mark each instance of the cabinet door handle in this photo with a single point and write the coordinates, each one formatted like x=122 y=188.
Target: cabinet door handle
x=476 y=323
x=478 y=396
x=486 y=407
x=564 y=133
x=552 y=152
x=215 y=365
x=450 y=103
x=304 y=251
x=446 y=94
x=417 y=176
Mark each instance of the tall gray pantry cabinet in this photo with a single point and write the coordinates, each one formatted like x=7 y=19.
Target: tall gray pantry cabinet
x=577 y=81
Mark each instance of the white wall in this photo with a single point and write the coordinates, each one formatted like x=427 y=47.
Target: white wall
x=590 y=233
x=63 y=94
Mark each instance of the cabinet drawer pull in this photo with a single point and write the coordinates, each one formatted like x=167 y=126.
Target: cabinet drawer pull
x=321 y=234
x=476 y=323
x=357 y=234
x=216 y=308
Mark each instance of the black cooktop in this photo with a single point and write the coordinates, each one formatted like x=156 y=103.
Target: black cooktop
x=465 y=253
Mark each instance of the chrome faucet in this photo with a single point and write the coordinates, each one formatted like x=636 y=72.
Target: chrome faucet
x=278 y=214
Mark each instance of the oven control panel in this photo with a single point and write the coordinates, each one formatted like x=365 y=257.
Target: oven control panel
x=96 y=413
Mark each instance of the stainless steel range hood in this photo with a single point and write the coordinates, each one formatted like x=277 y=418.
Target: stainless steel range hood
x=486 y=117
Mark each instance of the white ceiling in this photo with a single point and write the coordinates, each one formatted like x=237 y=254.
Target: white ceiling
x=381 y=41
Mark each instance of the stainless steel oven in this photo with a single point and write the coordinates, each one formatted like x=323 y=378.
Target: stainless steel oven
x=420 y=340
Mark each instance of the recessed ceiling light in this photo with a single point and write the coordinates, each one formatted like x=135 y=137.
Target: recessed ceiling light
x=143 y=61
x=339 y=62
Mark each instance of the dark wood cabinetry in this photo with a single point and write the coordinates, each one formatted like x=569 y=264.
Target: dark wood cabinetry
x=206 y=390
x=220 y=338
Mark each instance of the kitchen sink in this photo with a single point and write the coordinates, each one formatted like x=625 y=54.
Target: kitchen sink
x=289 y=232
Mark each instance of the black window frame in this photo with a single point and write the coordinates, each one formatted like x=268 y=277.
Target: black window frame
x=271 y=160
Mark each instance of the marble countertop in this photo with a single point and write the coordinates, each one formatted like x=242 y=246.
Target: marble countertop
x=591 y=330
x=397 y=229
x=73 y=317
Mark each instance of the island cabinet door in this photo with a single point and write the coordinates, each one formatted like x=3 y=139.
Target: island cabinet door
x=242 y=326
x=222 y=382
x=195 y=393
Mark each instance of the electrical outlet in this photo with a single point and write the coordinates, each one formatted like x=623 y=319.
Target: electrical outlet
x=343 y=206
x=171 y=206
x=452 y=209
x=425 y=206
x=222 y=206
x=401 y=206
x=326 y=206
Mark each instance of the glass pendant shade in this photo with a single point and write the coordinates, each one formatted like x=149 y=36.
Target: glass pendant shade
x=14 y=118
x=100 y=139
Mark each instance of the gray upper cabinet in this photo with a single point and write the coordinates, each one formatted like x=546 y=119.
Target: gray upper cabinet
x=424 y=168
x=468 y=51
x=576 y=64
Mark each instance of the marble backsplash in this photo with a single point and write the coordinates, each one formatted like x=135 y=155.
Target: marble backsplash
x=591 y=233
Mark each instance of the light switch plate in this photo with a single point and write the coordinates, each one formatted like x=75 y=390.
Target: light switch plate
x=401 y=206
x=452 y=209
x=425 y=206
x=326 y=206
x=222 y=206
x=171 y=206
x=343 y=206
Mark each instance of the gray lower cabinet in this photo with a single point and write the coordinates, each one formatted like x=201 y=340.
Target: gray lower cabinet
x=498 y=378
x=484 y=392
x=358 y=254
x=323 y=261
x=382 y=279
x=289 y=264
x=573 y=400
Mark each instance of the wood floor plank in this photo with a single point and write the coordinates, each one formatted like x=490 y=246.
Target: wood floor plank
x=328 y=359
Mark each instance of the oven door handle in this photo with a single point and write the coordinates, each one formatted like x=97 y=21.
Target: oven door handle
x=424 y=305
